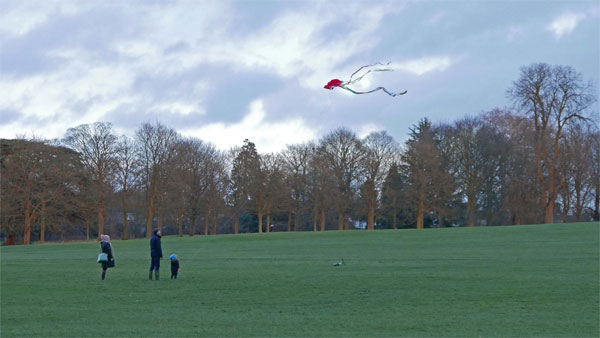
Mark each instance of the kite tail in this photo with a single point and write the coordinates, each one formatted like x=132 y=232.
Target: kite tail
x=374 y=90
x=375 y=70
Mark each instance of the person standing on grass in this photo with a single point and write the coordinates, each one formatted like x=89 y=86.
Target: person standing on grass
x=155 y=253
x=106 y=247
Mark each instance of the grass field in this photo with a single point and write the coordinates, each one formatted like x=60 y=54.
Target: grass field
x=526 y=281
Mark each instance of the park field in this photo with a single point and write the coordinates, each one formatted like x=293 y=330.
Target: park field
x=520 y=281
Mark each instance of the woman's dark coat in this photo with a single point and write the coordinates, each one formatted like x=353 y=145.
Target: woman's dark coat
x=107 y=249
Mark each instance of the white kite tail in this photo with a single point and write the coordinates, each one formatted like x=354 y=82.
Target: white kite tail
x=351 y=81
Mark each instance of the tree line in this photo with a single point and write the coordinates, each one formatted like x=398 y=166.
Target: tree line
x=536 y=163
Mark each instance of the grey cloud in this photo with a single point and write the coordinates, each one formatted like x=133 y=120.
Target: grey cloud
x=8 y=116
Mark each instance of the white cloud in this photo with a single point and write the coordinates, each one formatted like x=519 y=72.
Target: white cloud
x=178 y=107
x=61 y=92
x=297 y=44
x=269 y=136
x=565 y=24
x=86 y=86
x=25 y=16
x=368 y=128
x=424 y=65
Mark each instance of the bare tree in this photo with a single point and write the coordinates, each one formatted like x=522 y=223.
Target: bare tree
x=467 y=160
x=552 y=97
x=275 y=190
x=296 y=166
x=595 y=209
x=217 y=179
x=206 y=170
x=97 y=145
x=520 y=191
x=154 y=145
x=495 y=150
x=182 y=173
x=576 y=171
x=343 y=153
x=320 y=187
x=476 y=155
x=35 y=177
x=61 y=173
x=392 y=192
x=126 y=175
x=380 y=150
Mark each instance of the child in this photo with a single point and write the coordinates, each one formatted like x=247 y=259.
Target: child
x=174 y=266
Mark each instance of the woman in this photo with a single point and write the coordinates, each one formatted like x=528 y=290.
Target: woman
x=106 y=248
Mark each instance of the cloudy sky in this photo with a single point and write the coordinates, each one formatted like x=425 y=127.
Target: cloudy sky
x=224 y=71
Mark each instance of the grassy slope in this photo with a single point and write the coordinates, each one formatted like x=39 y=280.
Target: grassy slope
x=500 y=281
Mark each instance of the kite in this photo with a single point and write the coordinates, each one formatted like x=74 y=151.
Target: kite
x=344 y=84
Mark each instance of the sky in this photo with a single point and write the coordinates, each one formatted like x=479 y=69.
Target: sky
x=225 y=71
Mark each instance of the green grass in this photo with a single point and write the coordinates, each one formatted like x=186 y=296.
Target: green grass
x=534 y=281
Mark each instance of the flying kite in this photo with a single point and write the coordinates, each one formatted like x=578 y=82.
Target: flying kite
x=344 y=84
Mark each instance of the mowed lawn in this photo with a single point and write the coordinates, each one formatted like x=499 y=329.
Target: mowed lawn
x=526 y=281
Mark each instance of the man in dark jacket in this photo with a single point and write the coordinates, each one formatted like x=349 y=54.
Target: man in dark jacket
x=155 y=253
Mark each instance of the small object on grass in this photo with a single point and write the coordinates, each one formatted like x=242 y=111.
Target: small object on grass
x=339 y=263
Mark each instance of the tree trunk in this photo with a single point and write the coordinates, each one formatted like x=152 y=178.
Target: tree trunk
x=289 y=221
x=180 y=222
x=206 y=221
x=87 y=229
x=159 y=221
x=596 y=214
x=549 y=213
x=214 y=230
x=124 y=204
x=395 y=213
x=260 y=217
x=124 y=225
x=237 y=224
x=315 y=220
x=322 y=219
x=470 y=210
x=27 y=231
x=296 y=221
x=371 y=217
x=150 y=217
x=421 y=209
x=340 y=220
x=100 y=221
x=580 y=197
x=489 y=219
x=420 y=218
x=43 y=223
x=268 y=221
x=27 y=234
x=100 y=209
x=565 y=212
x=192 y=223
x=371 y=209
